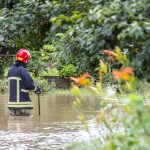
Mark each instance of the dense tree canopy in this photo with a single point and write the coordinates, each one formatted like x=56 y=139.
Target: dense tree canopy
x=79 y=30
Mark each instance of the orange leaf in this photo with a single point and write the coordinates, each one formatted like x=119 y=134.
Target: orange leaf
x=76 y=80
x=110 y=53
x=86 y=75
x=83 y=80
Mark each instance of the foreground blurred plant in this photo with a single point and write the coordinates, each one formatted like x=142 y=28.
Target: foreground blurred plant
x=132 y=117
x=83 y=80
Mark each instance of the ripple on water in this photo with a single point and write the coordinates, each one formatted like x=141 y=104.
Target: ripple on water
x=50 y=136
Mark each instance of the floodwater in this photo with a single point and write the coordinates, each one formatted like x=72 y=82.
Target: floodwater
x=55 y=128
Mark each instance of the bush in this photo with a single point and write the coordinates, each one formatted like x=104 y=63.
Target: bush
x=43 y=84
x=50 y=72
x=67 y=70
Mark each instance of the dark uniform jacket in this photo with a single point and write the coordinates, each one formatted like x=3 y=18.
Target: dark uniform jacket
x=20 y=82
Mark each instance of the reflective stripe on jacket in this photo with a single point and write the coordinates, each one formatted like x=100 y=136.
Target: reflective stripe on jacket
x=20 y=82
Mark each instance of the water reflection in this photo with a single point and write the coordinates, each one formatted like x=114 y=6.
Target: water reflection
x=55 y=126
x=53 y=129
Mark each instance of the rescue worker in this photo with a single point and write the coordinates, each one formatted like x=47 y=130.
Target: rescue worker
x=20 y=83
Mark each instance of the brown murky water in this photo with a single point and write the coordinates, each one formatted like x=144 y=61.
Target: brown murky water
x=55 y=128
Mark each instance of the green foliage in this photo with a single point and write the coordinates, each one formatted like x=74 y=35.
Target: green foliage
x=1 y=70
x=48 y=54
x=105 y=25
x=48 y=48
x=43 y=84
x=79 y=30
x=41 y=61
x=5 y=63
x=8 y=4
x=50 y=72
x=3 y=86
x=26 y=24
x=36 y=66
x=67 y=70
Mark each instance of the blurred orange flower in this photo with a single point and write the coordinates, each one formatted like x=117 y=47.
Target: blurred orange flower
x=128 y=70
x=112 y=55
x=116 y=74
x=124 y=74
x=83 y=80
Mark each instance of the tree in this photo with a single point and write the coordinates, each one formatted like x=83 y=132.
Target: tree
x=104 y=25
x=80 y=30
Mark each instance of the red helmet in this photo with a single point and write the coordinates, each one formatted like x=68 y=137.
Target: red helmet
x=23 y=55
